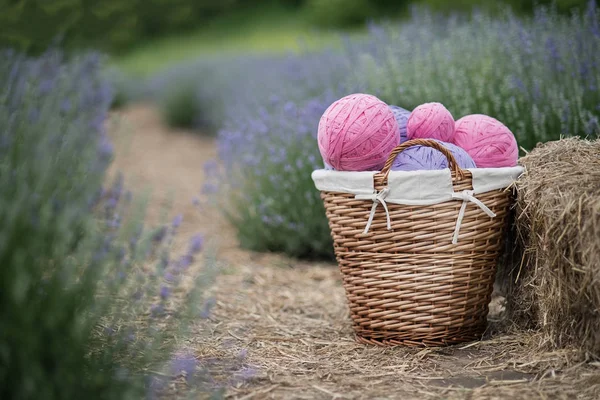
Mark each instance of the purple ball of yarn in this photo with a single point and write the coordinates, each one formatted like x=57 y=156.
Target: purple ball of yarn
x=401 y=116
x=427 y=158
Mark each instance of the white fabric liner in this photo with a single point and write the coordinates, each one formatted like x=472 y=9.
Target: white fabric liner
x=414 y=187
x=417 y=188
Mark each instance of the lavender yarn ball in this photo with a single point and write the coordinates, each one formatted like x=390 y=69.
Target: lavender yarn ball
x=427 y=158
x=401 y=116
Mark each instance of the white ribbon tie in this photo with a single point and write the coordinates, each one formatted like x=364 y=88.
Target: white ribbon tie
x=376 y=198
x=467 y=196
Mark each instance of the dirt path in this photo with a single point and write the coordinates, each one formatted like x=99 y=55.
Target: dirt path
x=289 y=319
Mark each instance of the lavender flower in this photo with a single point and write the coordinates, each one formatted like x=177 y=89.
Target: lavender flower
x=196 y=244
x=169 y=277
x=164 y=292
x=177 y=221
x=157 y=310
x=185 y=261
x=185 y=364
x=66 y=105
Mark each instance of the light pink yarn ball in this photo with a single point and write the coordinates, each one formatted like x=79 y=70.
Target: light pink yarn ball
x=488 y=141
x=357 y=133
x=431 y=121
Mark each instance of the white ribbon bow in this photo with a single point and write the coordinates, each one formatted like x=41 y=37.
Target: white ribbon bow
x=467 y=196
x=376 y=198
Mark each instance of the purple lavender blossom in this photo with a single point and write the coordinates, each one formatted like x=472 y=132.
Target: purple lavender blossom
x=46 y=86
x=169 y=277
x=185 y=261
x=177 y=221
x=112 y=203
x=34 y=115
x=164 y=292
x=210 y=167
x=66 y=105
x=156 y=310
x=196 y=244
x=105 y=149
x=209 y=188
x=184 y=364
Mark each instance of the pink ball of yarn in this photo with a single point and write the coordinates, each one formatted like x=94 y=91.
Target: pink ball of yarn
x=357 y=133
x=488 y=141
x=431 y=121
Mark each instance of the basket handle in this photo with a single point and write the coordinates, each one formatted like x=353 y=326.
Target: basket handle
x=422 y=142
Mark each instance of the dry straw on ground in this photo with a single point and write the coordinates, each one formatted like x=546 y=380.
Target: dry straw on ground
x=556 y=285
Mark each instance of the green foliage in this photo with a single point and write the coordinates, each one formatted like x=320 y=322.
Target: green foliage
x=117 y=25
x=125 y=87
x=344 y=13
x=180 y=106
x=114 y=25
x=339 y=13
x=32 y=26
x=527 y=6
x=564 y=6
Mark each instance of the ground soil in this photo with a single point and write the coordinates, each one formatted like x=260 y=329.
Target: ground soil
x=283 y=324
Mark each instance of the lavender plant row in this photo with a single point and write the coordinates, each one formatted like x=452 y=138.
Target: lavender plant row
x=85 y=288
x=540 y=76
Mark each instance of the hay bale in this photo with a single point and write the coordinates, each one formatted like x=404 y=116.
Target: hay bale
x=555 y=285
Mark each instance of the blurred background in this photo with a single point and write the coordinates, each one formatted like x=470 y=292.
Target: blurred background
x=146 y=35
x=224 y=98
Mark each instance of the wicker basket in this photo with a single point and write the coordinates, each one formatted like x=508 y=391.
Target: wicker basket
x=418 y=275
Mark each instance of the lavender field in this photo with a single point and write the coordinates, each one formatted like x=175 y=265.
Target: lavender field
x=540 y=76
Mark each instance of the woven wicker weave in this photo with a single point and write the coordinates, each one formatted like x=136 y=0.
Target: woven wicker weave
x=411 y=285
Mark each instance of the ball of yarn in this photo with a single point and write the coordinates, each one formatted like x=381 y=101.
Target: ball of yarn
x=431 y=121
x=357 y=133
x=488 y=141
x=401 y=116
x=423 y=157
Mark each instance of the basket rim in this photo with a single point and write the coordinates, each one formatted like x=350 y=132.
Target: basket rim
x=422 y=187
